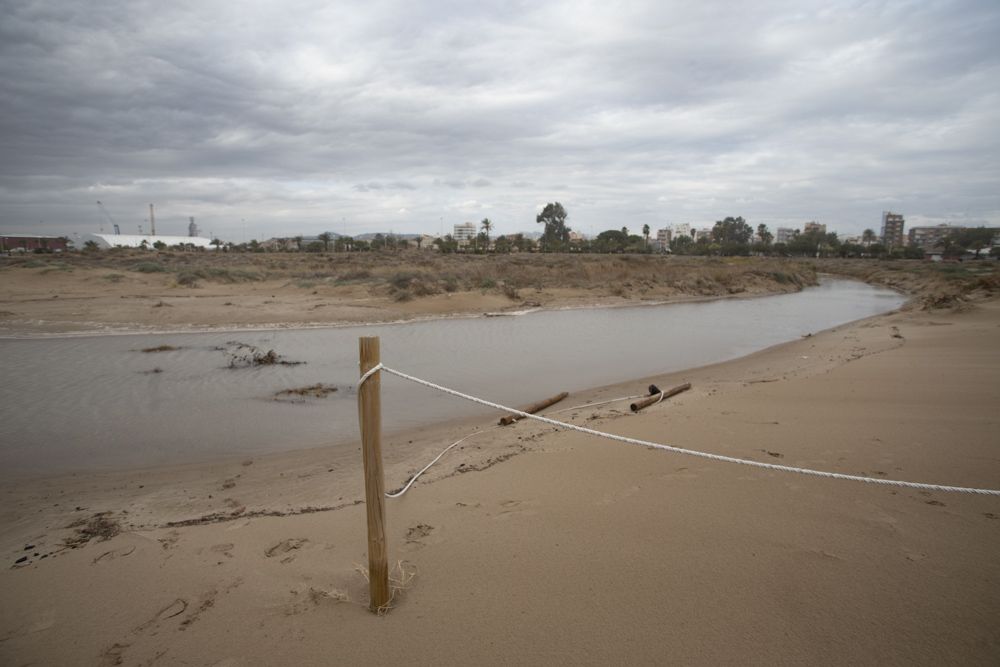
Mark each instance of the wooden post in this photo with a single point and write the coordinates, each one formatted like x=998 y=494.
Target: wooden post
x=370 y=417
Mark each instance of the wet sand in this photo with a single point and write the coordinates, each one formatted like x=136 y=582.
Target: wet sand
x=529 y=545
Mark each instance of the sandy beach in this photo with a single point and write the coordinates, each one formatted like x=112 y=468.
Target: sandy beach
x=532 y=545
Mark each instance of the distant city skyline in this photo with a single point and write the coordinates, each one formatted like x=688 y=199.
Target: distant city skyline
x=284 y=119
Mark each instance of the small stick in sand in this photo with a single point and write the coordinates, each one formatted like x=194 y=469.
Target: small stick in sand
x=646 y=402
x=533 y=408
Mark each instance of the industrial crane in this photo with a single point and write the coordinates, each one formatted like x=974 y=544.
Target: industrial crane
x=108 y=216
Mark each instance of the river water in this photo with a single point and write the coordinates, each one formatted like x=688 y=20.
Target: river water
x=92 y=402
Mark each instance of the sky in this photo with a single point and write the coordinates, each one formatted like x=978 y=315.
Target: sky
x=289 y=118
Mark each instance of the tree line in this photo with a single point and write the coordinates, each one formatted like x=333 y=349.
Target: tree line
x=731 y=236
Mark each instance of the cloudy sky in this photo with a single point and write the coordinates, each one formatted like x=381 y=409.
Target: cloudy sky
x=284 y=118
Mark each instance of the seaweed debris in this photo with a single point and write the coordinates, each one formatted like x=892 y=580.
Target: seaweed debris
x=160 y=348
x=242 y=355
x=100 y=527
x=318 y=390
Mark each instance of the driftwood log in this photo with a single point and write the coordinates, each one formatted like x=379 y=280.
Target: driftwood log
x=533 y=408
x=646 y=402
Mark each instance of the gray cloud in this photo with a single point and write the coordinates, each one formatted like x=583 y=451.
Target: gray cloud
x=300 y=117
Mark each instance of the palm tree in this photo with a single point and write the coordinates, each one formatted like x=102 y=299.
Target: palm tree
x=326 y=237
x=645 y=233
x=487 y=226
x=868 y=237
x=764 y=234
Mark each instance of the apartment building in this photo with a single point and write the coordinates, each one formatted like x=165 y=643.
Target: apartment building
x=892 y=229
x=465 y=234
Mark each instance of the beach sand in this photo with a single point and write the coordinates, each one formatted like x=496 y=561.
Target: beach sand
x=530 y=545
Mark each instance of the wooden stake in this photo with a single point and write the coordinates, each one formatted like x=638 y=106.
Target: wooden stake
x=533 y=408
x=370 y=417
x=646 y=402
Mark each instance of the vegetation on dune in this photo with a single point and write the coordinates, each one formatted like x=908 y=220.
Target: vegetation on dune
x=405 y=275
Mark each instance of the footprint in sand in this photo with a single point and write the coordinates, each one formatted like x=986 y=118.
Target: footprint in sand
x=418 y=531
x=170 y=541
x=113 y=554
x=224 y=549
x=511 y=507
x=284 y=547
x=173 y=609
x=114 y=654
x=206 y=602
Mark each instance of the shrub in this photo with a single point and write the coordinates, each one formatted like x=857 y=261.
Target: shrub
x=187 y=279
x=150 y=267
x=424 y=288
x=402 y=279
x=357 y=274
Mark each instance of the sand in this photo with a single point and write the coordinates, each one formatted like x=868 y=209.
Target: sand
x=532 y=546
x=85 y=293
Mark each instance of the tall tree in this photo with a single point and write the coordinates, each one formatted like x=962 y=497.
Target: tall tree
x=764 y=234
x=326 y=237
x=732 y=235
x=974 y=238
x=645 y=234
x=487 y=226
x=732 y=230
x=556 y=234
x=868 y=237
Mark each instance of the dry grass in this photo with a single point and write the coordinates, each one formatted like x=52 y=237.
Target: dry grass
x=414 y=274
x=401 y=578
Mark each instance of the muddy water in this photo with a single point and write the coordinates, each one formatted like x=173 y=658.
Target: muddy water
x=95 y=402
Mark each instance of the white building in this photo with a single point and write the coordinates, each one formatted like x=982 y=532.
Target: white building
x=465 y=233
x=784 y=234
x=139 y=240
x=682 y=229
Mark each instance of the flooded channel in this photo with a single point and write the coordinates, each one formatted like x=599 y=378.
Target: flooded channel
x=100 y=402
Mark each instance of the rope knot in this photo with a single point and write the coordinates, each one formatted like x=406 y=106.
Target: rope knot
x=370 y=372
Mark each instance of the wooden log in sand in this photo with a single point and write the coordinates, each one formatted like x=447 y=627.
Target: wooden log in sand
x=533 y=408
x=646 y=402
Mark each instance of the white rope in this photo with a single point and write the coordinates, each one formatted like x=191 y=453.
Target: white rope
x=433 y=461
x=591 y=405
x=681 y=450
x=370 y=372
x=463 y=439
